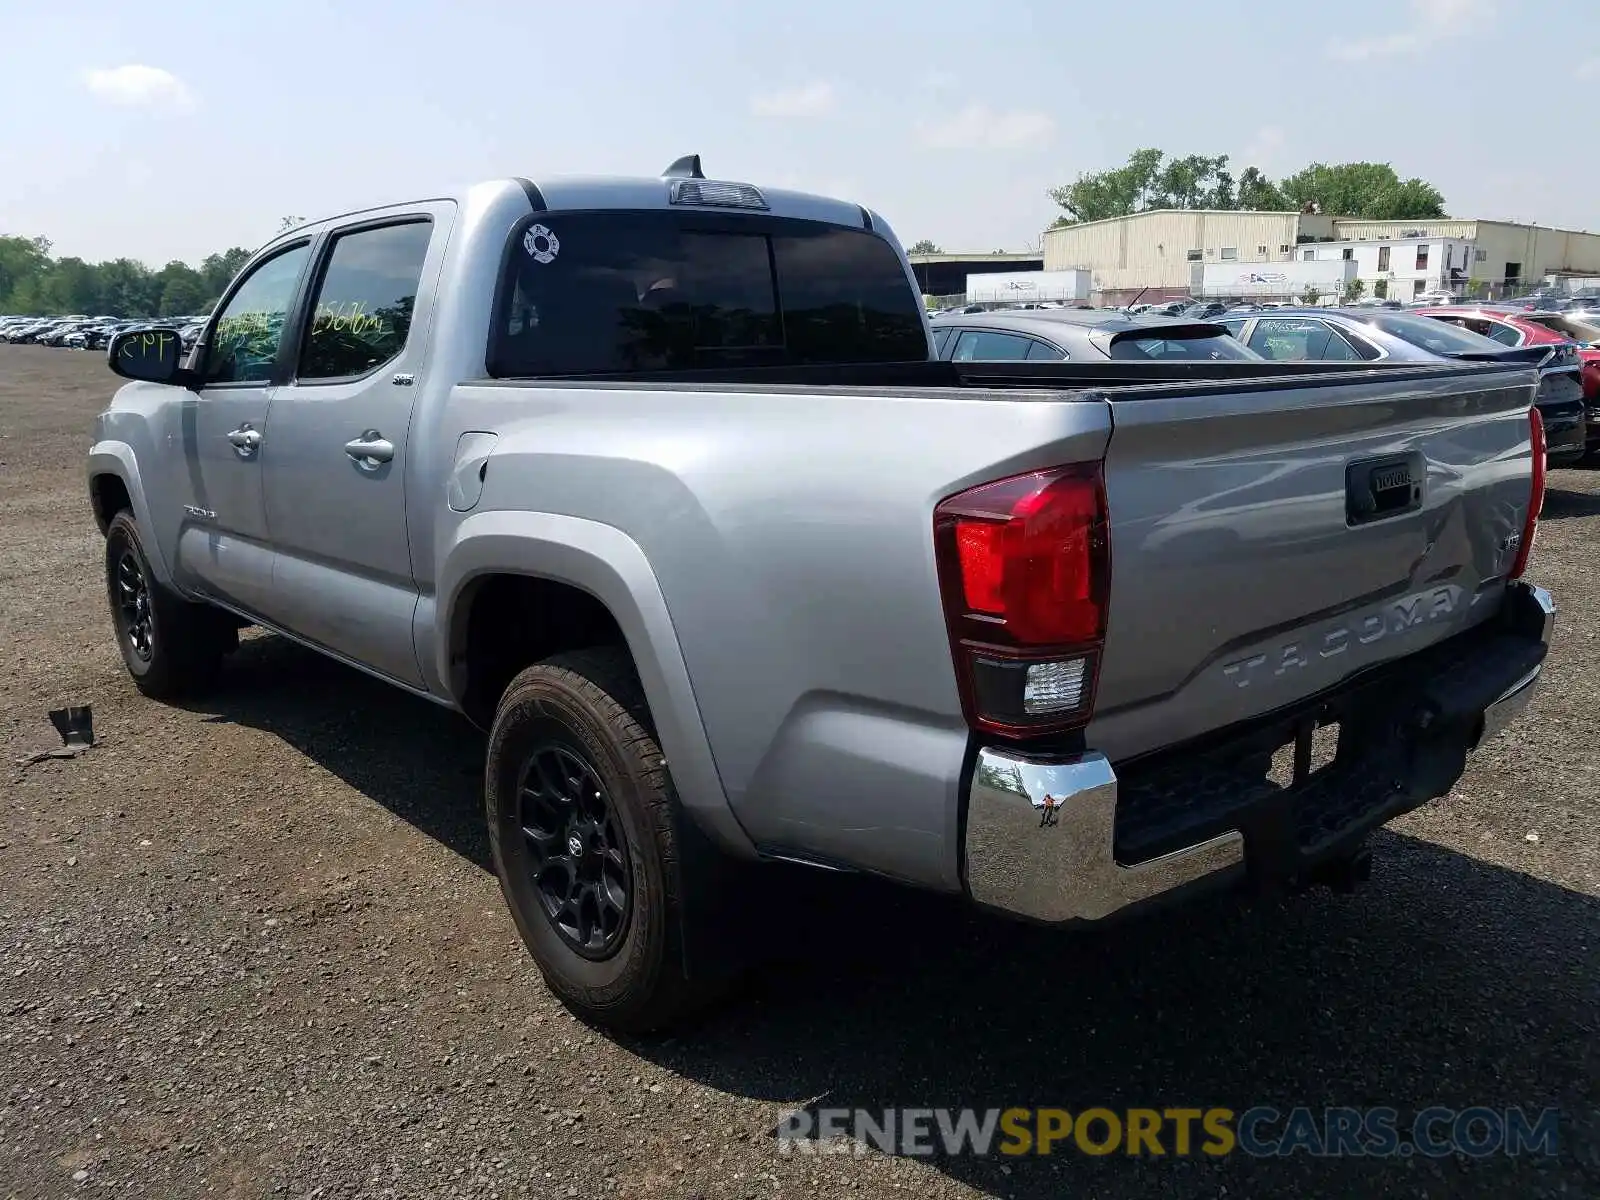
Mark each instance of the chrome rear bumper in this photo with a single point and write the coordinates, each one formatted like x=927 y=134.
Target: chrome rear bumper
x=1041 y=833
x=1039 y=842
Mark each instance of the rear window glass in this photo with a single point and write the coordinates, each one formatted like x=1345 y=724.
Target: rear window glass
x=1171 y=349
x=613 y=292
x=1437 y=335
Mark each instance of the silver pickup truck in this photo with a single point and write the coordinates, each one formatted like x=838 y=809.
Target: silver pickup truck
x=656 y=481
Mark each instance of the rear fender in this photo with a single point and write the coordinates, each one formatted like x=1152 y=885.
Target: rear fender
x=610 y=566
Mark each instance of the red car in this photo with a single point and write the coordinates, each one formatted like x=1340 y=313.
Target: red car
x=1520 y=327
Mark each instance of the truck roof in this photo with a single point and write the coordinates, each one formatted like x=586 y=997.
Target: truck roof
x=568 y=193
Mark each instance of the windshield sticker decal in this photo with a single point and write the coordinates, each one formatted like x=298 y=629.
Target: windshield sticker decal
x=541 y=245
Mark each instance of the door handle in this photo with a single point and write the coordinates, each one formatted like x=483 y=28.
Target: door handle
x=371 y=450
x=246 y=440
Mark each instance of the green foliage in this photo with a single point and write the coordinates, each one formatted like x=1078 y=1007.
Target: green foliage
x=1312 y=296
x=924 y=247
x=1151 y=180
x=33 y=282
x=1362 y=189
x=1354 y=290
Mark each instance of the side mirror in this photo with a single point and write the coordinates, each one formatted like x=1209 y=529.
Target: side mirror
x=148 y=355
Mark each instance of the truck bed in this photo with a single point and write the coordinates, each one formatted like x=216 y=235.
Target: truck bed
x=793 y=544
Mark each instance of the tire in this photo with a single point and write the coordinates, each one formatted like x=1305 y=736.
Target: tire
x=171 y=646
x=613 y=957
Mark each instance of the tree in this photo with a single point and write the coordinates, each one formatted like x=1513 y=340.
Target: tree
x=1363 y=189
x=21 y=259
x=1257 y=193
x=1150 y=180
x=218 y=270
x=1311 y=297
x=924 y=247
x=287 y=223
x=1354 y=290
x=1114 y=193
x=183 y=290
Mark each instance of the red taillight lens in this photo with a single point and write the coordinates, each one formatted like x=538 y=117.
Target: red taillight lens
x=1530 y=526
x=1024 y=567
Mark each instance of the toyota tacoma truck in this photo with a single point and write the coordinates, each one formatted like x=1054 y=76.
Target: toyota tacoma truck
x=657 y=481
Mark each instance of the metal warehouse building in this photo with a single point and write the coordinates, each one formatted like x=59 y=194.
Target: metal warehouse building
x=946 y=274
x=1165 y=252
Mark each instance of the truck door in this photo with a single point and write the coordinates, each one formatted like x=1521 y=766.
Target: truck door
x=223 y=548
x=336 y=478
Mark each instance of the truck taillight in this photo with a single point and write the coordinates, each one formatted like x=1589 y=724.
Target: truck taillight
x=1530 y=525
x=1024 y=571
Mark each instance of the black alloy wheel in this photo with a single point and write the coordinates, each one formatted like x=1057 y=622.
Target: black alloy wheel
x=577 y=855
x=135 y=618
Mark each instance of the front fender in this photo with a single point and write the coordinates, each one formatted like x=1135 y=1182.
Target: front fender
x=610 y=566
x=116 y=458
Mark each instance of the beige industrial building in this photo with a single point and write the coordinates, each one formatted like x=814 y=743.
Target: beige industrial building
x=1165 y=252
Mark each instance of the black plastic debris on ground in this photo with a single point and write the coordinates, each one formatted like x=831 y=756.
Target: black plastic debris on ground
x=75 y=724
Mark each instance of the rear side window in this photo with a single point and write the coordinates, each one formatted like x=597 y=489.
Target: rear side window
x=362 y=311
x=982 y=345
x=622 y=292
x=1435 y=334
x=1175 y=349
x=1044 y=352
x=1300 y=341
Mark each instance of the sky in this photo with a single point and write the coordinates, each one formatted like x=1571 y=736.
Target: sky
x=183 y=129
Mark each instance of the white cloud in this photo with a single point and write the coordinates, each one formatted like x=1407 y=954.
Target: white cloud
x=136 y=85
x=810 y=100
x=979 y=128
x=1432 y=22
x=1264 y=148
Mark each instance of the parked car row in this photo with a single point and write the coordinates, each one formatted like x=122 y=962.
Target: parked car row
x=88 y=333
x=1563 y=345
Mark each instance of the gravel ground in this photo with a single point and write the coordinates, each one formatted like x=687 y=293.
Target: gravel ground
x=254 y=949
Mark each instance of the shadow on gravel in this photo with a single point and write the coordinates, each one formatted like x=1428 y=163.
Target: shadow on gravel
x=1443 y=981
x=1561 y=505
x=421 y=762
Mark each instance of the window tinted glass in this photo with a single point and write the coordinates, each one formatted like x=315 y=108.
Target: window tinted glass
x=1043 y=351
x=986 y=346
x=1440 y=337
x=1292 y=339
x=244 y=344
x=622 y=292
x=941 y=340
x=846 y=299
x=363 y=306
x=1506 y=335
x=1176 y=348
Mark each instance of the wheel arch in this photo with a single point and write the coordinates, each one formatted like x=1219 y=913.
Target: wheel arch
x=598 y=578
x=113 y=478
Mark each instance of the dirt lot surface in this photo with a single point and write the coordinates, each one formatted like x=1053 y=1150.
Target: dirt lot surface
x=253 y=949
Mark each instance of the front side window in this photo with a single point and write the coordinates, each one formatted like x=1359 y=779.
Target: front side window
x=984 y=345
x=249 y=330
x=621 y=292
x=362 y=310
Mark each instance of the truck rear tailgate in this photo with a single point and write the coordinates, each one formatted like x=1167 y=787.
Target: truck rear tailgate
x=1269 y=541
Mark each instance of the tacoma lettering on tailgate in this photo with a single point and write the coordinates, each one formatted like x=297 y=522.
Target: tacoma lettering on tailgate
x=1395 y=619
